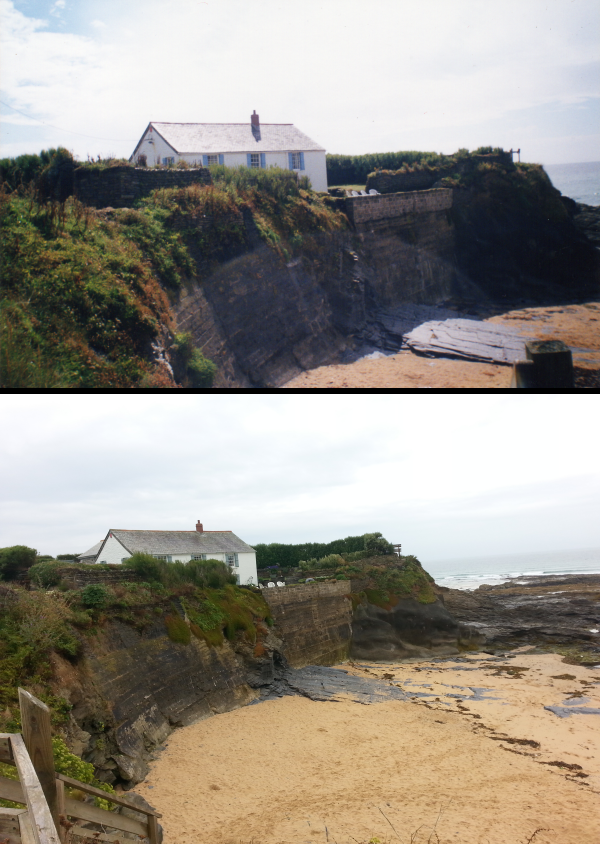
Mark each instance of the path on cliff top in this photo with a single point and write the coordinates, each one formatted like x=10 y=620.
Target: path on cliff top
x=576 y=325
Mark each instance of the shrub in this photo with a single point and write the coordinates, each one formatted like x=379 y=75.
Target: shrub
x=46 y=574
x=15 y=560
x=191 y=367
x=376 y=544
x=146 y=566
x=43 y=623
x=94 y=595
x=177 y=629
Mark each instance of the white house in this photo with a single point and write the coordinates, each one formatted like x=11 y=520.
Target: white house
x=251 y=144
x=178 y=546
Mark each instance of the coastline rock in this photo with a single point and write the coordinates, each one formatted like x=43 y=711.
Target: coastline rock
x=410 y=629
x=546 y=610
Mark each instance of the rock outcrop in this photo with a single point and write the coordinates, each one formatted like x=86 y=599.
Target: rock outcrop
x=549 y=610
x=409 y=629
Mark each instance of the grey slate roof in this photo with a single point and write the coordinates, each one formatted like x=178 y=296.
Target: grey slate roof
x=92 y=552
x=188 y=138
x=181 y=541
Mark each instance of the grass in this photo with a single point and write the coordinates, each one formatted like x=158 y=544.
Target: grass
x=85 y=294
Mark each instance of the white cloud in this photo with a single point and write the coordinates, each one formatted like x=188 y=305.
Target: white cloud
x=444 y=475
x=356 y=78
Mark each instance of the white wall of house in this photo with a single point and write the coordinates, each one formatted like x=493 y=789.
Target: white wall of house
x=157 y=150
x=114 y=553
x=314 y=164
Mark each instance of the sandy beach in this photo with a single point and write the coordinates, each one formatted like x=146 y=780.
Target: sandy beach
x=477 y=760
x=575 y=325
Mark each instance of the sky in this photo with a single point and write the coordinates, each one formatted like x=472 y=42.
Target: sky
x=357 y=77
x=446 y=476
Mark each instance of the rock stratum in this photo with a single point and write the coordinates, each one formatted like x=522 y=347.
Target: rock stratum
x=553 y=610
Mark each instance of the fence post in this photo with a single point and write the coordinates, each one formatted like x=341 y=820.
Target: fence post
x=35 y=720
x=549 y=366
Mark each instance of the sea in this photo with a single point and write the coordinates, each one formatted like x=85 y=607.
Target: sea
x=471 y=572
x=581 y=182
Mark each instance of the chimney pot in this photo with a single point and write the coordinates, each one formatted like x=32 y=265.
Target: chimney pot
x=199 y=527
x=254 y=119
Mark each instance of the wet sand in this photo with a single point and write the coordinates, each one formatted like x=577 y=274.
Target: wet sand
x=576 y=325
x=477 y=771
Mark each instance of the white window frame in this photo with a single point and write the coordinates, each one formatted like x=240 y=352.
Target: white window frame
x=165 y=557
x=232 y=560
x=211 y=160
x=168 y=160
x=198 y=556
x=255 y=159
x=296 y=161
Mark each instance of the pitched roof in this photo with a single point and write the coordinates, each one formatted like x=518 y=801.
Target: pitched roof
x=186 y=138
x=181 y=541
x=92 y=552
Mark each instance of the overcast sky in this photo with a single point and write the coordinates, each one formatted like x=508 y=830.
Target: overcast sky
x=357 y=77
x=445 y=476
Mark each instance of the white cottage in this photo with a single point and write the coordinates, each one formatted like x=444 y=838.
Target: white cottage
x=178 y=546
x=251 y=144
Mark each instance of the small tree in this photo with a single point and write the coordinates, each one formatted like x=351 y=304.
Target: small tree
x=376 y=544
x=15 y=560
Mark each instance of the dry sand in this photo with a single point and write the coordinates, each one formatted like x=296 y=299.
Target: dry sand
x=299 y=771
x=576 y=325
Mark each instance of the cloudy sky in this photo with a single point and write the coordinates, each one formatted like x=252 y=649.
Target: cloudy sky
x=447 y=476
x=357 y=77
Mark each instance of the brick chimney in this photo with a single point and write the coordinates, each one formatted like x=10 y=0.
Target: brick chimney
x=199 y=527
x=254 y=119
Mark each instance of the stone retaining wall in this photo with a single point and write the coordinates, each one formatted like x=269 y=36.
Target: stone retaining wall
x=120 y=186
x=77 y=578
x=314 y=621
x=363 y=209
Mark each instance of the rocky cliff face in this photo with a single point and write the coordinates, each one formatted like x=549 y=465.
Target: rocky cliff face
x=132 y=689
x=409 y=629
x=264 y=320
x=314 y=622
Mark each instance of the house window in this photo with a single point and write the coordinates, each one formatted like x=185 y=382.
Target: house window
x=212 y=159
x=198 y=556
x=297 y=161
x=165 y=557
x=168 y=161
x=255 y=159
x=232 y=560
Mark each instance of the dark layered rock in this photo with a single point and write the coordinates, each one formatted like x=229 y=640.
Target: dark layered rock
x=561 y=609
x=314 y=622
x=410 y=629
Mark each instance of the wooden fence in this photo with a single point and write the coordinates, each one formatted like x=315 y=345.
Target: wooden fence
x=49 y=814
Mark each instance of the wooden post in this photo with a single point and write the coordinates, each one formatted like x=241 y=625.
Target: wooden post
x=60 y=807
x=42 y=823
x=549 y=366
x=523 y=374
x=35 y=720
x=553 y=364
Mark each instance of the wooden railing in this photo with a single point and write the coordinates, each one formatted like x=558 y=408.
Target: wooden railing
x=45 y=820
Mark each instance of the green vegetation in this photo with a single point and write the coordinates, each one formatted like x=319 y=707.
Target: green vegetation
x=408 y=579
x=70 y=765
x=16 y=560
x=288 y=556
x=211 y=574
x=354 y=169
x=193 y=368
x=85 y=292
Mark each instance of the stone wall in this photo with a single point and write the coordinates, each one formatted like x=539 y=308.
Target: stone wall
x=120 y=186
x=388 y=181
x=313 y=620
x=76 y=578
x=362 y=209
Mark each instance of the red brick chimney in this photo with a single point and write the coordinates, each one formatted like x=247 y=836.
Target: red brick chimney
x=254 y=119
x=199 y=527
